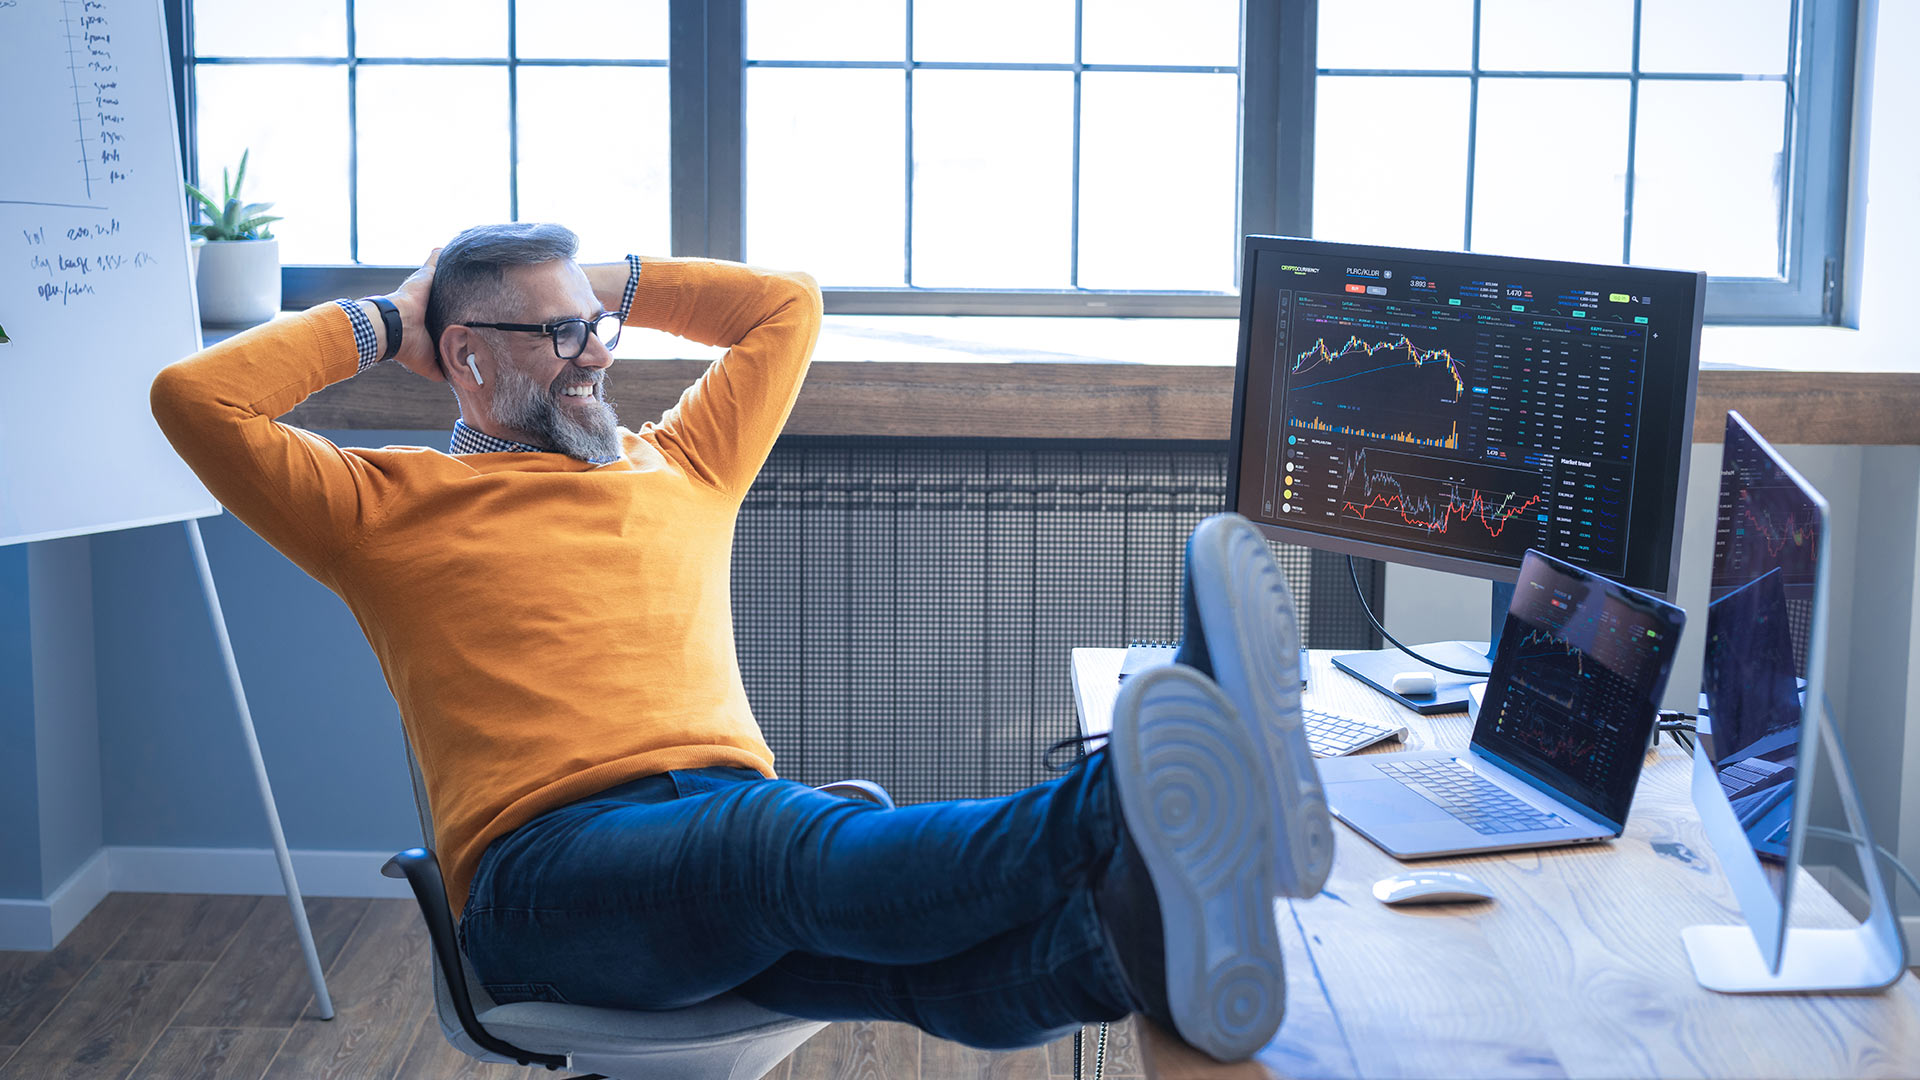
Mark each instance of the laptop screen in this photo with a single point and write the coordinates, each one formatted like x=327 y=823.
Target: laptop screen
x=1571 y=700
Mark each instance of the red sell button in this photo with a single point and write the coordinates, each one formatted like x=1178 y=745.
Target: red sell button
x=1361 y=289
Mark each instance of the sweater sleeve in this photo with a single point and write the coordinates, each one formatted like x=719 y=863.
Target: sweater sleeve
x=301 y=493
x=725 y=424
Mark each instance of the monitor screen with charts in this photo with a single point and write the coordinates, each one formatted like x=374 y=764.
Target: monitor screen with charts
x=1452 y=410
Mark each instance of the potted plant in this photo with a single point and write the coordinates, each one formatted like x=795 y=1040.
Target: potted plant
x=239 y=272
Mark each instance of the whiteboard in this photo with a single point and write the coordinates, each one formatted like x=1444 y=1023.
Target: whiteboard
x=96 y=291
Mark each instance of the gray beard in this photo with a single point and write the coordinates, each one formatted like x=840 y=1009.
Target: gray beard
x=521 y=403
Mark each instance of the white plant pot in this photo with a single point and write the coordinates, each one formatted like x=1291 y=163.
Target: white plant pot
x=239 y=282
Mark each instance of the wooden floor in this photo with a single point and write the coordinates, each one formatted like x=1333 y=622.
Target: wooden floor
x=168 y=987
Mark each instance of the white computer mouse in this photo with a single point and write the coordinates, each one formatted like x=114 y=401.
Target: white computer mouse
x=1415 y=683
x=1430 y=887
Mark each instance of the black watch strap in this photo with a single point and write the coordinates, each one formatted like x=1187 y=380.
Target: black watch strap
x=390 y=315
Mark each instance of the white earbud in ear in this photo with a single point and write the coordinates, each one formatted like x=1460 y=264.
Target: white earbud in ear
x=475 y=368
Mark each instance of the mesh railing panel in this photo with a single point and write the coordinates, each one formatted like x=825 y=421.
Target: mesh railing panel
x=904 y=610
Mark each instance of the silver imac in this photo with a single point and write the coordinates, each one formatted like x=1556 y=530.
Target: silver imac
x=1762 y=736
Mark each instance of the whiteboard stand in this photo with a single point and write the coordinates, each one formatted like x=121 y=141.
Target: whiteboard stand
x=322 y=1000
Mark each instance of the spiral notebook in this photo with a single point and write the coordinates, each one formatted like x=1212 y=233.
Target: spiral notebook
x=1142 y=655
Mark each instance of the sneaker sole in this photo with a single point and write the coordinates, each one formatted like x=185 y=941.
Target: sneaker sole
x=1201 y=811
x=1253 y=643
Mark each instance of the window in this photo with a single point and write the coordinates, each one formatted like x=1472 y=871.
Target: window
x=1041 y=156
x=1691 y=133
x=375 y=153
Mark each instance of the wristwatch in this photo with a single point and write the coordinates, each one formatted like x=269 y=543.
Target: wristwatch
x=390 y=315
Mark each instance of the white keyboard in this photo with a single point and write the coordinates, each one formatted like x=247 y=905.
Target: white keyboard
x=1333 y=735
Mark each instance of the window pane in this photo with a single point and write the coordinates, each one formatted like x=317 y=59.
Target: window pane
x=827 y=30
x=1156 y=32
x=840 y=216
x=430 y=28
x=1529 y=35
x=593 y=156
x=1157 y=180
x=296 y=28
x=592 y=29
x=1748 y=37
x=293 y=121
x=1551 y=179
x=414 y=192
x=992 y=179
x=1413 y=34
x=1001 y=31
x=1390 y=161
x=1707 y=196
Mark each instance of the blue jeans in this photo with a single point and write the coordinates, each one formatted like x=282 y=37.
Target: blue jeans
x=971 y=920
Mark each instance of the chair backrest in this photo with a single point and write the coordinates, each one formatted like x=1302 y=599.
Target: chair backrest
x=443 y=1007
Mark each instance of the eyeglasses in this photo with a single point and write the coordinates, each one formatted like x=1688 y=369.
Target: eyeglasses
x=569 y=335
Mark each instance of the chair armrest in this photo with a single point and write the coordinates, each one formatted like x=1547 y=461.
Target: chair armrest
x=861 y=790
x=422 y=872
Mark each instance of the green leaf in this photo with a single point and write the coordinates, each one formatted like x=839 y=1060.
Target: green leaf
x=212 y=208
x=226 y=184
x=245 y=230
x=242 y=177
x=254 y=208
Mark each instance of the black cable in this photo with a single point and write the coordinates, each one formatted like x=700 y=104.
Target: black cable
x=1680 y=725
x=1361 y=593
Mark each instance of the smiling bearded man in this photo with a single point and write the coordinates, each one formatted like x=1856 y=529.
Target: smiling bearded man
x=550 y=603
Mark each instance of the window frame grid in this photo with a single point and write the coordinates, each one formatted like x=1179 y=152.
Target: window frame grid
x=1805 y=289
x=1077 y=66
x=1278 y=76
x=191 y=61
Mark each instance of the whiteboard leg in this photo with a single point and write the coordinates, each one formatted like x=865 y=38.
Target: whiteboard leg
x=323 y=1002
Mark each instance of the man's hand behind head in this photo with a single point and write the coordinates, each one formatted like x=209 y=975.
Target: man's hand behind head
x=417 y=351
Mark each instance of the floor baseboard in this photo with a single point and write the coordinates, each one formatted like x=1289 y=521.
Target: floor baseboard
x=41 y=924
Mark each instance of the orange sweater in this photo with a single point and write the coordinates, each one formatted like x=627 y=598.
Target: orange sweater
x=550 y=628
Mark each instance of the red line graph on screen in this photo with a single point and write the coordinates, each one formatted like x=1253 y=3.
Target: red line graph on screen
x=1777 y=535
x=1319 y=355
x=1448 y=502
x=1424 y=513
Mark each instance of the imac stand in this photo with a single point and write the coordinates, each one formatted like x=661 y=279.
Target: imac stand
x=1378 y=667
x=1867 y=957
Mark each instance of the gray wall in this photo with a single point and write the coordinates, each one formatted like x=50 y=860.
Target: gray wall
x=19 y=783
x=66 y=723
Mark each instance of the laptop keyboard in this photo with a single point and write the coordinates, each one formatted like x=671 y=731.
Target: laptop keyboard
x=1332 y=735
x=1474 y=800
x=1744 y=774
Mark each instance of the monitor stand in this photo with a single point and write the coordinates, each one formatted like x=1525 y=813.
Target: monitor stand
x=1863 y=958
x=1377 y=668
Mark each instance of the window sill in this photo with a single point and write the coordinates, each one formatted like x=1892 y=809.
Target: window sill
x=1171 y=379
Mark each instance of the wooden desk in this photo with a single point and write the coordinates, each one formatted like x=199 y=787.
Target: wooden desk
x=1576 y=969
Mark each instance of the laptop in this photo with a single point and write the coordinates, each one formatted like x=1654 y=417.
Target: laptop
x=1559 y=737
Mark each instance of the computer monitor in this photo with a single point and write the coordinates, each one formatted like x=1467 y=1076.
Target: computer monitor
x=1760 y=735
x=1450 y=410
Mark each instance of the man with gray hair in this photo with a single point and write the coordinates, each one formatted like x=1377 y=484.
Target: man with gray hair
x=550 y=603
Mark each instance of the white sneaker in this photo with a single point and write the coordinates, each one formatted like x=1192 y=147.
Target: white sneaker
x=1191 y=782
x=1252 y=643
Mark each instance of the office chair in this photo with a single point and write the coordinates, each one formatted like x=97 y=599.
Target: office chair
x=726 y=1038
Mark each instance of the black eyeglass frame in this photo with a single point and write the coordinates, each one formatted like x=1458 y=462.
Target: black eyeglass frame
x=552 y=330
